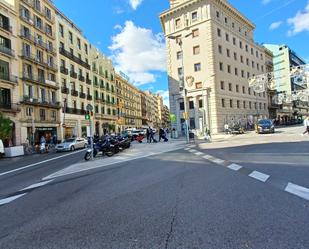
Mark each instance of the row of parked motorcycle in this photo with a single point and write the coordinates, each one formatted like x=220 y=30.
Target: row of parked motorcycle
x=107 y=146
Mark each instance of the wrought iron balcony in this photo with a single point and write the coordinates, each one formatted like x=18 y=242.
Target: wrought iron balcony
x=73 y=74
x=64 y=70
x=8 y=51
x=82 y=95
x=38 y=60
x=74 y=93
x=65 y=90
x=81 y=78
x=88 y=81
x=9 y=78
x=73 y=58
x=6 y=27
x=38 y=42
x=89 y=97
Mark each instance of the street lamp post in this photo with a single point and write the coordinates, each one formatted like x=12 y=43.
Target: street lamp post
x=182 y=86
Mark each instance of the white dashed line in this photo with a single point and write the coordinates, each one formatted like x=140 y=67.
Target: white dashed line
x=207 y=157
x=259 y=176
x=234 y=167
x=199 y=153
x=297 y=190
x=187 y=149
x=10 y=199
x=192 y=146
x=218 y=161
x=36 y=185
x=192 y=151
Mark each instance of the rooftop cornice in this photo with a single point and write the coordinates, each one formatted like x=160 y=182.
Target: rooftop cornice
x=222 y=3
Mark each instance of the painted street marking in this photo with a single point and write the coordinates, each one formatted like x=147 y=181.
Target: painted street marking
x=191 y=146
x=10 y=199
x=297 y=190
x=192 y=151
x=218 y=161
x=199 y=153
x=36 y=185
x=234 y=167
x=207 y=157
x=187 y=149
x=38 y=163
x=259 y=176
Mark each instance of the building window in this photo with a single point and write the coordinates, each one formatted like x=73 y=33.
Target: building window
x=241 y=59
x=228 y=68
x=243 y=90
x=238 y=104
x=221 y=66
x=192 y=123
x=223 y=102
x=178 y=23
x=235 y=56
x=194 y=16
x=78 y=43
x=196 y=50
x=182 y=106
x=237 y=88
x=29 y=111
x=197 y=67
x=242 y=73
x=219 y=32
x=227 y=37
x=71 y=37
x=61 y=30
x=200 y=103
x=240 y=44
x=195 y=33
x=244 y=104
x=42 y=115
x=179 y=55
x=246 y=48
x=247 y=62
x=230 y=87
x=227 y=52
x=231 y=103
x=250 y=104
x=236 y=71
x=222 y=85
x=251 y=51
x=218 y=14
x=191 y=105
x=234 y=41
x=220 y=49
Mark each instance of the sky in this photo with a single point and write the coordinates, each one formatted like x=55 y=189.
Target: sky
x=129 y=32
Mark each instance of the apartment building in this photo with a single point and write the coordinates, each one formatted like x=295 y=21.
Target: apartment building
x=283 y=60
x=74 y=76
x=9 y=67
x=166 y=123
x=211 y=55
x=104 y=92
x=37 y=69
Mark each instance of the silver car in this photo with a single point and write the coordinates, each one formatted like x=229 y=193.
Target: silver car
x=72 y=144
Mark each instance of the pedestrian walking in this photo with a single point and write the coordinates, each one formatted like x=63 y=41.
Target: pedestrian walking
x=161 y=134
x=226 y=129
x=306 y=124
x=151 y=136
x=148 y=134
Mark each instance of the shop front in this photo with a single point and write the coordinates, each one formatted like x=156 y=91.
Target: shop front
x=49 y=133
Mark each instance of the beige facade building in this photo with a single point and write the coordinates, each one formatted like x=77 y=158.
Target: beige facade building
x=104 y=92
x=9 y=92
x=38 y=84
x=211 y=55
x=166 y=123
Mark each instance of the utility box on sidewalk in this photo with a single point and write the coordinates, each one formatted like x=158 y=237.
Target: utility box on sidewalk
x=174 y=134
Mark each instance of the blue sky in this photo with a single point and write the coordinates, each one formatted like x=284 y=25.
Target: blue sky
x=129 y=31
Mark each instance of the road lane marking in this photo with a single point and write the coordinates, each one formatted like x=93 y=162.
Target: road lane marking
x=36 y=185
x=191 y=146
x=187 y=149
x=259 y=176
x=218 y=161
x=10 y=199
x=38 y=163
x=192 y=151
x=234 y=167
x=207 y=157
x=199 y=153
x=297 y=190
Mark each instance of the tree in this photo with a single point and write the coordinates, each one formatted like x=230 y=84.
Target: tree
x=5 y=128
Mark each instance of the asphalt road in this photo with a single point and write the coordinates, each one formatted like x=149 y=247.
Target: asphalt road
x=173 y=200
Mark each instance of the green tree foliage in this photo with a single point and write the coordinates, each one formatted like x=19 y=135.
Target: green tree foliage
x=5 y=128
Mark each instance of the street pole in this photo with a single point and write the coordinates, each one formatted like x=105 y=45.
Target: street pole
x=91 y=138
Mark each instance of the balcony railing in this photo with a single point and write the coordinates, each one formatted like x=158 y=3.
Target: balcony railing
x=65 y=90
x=9 y=78
x=88 y=81
x=7 y=51
x=38 y=42
x=89 y=97
x=38 y=60
x=82 y=95
x=73 y=74
x=6 y=27
x=64 y=70
x=41 y=102
x=73 y=58
x=75 y=111
x=81 y=78
x=9 y=107
x=74 y=93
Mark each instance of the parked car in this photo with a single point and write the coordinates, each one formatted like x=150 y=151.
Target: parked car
x=72 y=144
x=264 y=126
x=1 y=149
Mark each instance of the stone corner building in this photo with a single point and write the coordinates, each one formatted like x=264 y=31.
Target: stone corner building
x=218 y=54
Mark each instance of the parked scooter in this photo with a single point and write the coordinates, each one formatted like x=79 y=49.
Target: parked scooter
x=105 y=147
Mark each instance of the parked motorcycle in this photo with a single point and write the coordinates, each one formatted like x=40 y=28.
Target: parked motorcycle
x=105 y=147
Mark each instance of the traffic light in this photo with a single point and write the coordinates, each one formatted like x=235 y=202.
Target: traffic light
x=87 y=116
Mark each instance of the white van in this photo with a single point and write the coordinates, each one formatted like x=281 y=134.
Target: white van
x=1 y=148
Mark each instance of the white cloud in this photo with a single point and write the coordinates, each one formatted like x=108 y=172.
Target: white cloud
x=165 y=95
x=300 y=22
x=275 y=25
x=139 y=53
x=135 y=3
x=266 y=1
